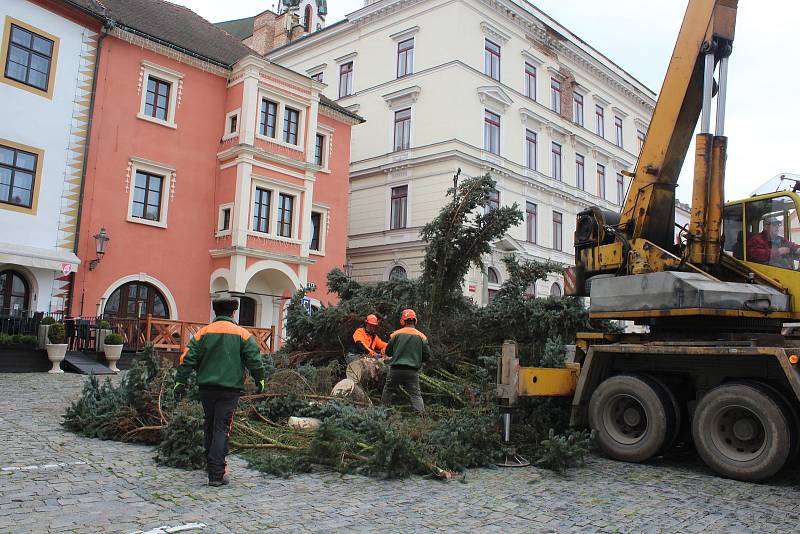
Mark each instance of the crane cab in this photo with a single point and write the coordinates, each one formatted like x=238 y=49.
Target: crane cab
x=763 y=232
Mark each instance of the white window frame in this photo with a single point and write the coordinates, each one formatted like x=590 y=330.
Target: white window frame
x=351 y=57
x=282 y=101
x=323 y=229
x=152 y=167
x=222 y=207
x=235 y=113
x=170 y=76
x=327 y=134
x=275 y=188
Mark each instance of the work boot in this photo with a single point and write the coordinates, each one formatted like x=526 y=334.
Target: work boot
x=224 y=481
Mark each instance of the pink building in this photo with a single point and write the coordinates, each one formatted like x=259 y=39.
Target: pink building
x=212 y=170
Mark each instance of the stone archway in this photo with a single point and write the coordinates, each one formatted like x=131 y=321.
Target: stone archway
x=270 y=288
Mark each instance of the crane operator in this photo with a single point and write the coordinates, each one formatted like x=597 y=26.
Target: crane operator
x=770 y=247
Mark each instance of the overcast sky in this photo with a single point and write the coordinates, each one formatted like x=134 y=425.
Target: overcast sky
x=763 y=117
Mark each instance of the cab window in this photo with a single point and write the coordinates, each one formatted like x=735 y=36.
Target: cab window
x=769 y=225
x=733 y=231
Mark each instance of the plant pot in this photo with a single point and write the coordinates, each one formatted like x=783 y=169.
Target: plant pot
x=56 y=354
x=101 y=338
x=113 y=353
x=44 y=330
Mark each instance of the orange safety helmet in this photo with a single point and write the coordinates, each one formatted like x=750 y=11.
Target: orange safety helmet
x=372 y=319
x=406 y=315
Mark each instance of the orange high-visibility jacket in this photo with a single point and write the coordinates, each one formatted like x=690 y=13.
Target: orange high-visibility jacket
x=371 y=342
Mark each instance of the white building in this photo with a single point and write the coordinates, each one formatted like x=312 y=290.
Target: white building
x=485 y=86
x=48 y=53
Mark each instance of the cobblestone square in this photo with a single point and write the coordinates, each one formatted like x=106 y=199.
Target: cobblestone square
x=53 y=481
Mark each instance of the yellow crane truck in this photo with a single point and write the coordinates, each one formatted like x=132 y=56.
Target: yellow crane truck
x=714 y=302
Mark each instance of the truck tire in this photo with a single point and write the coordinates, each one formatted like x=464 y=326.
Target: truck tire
x=788 y=410
x=632 y=417
x=672 y=436
x=741 y=432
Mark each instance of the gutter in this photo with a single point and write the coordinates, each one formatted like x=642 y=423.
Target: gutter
x=175 y=47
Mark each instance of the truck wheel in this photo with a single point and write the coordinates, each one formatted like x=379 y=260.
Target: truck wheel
x=789 y=412
x=672 y=436
x=741 y=432
x=632 y=417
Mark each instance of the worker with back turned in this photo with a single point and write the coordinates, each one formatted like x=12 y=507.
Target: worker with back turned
x=408 y=348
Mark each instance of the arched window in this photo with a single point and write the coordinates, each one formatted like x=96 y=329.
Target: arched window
x=136 y=299
x=398 y=273
x=555 y=290
x=309 y=16
x=494 y=278
x=14 y=293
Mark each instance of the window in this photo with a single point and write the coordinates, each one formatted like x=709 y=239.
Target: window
x=233 y=124
x=768 y=229
x=17 y=176
x=318 y=76
x=291 y=118
x=555 y=95
x=530 y=222
x=319 y=148
x=316 y=225
x=261 y=210
x=269 y=114
x=580 y=175
x=492 y=201
x=309 y=15
x=491 y=60
x=405 y=57
x=156 y=103
x=620 y=189
x=399 y=205
x=530 y=81
x=398 y=273
x=601 y=181
x=556 y=161
x=530 y=149
x=640 y=137
x=346 y=79
x=491 y=132
x=618 y=130
x=285 y=211
x=577 y=109
x=599 y=121
x=402 y=129
x=557 y=231
x=555 y=290
x=29 y=57
x=493 y=279
x=147 y=196
x=14 y=293
x=136 y=299
x=224 y=220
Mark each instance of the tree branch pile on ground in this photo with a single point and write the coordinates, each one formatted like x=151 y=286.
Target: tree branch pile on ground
x=460 y=428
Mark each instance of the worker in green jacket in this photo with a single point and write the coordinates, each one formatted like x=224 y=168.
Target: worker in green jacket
x=219 y=353
x=408 y=348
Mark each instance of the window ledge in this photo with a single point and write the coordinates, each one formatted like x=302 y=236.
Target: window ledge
x=274 y=237
x=296 y=148
x=316 y=253
x=222 y=233
x=156 y=121
x=147 y=222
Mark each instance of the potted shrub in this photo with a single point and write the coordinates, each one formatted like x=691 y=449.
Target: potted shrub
x=44 y=327
x=113 y=350
x=57 y=346
x=103 y=331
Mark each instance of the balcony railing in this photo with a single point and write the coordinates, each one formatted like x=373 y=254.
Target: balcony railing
x=166 y=334
x=24 y=322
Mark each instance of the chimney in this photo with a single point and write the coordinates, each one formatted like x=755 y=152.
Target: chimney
x=265 y=27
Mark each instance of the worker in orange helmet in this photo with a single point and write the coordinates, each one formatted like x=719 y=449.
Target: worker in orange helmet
x=366 y=340
x=408 y=348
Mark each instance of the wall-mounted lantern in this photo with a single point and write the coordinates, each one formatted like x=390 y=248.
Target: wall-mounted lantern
x=100 y=242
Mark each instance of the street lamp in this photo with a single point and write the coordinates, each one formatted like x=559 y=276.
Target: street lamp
x=100 y=242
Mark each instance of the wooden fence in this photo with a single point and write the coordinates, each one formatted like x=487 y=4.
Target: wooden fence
x=165 y=334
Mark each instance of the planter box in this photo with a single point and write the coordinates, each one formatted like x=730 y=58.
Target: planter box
x=23 y=359
x=101 y=338
x=44 y=330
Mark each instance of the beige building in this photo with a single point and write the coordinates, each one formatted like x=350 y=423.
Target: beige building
x=483 y=86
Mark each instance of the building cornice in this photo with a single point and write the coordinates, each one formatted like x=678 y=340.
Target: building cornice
x=260 y=254
x=238 y=151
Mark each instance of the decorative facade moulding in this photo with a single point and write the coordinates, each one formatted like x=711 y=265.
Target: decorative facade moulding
x=494 y=33
x=376 y=11
x=578 y=142
x=600 y=100
x=555 y=73
x=403 y=97
x=347 y=57
x=601 y=155
x=530 y=58
x=316 y=70
x=620 y=165
x=492 y=96
x=405 y=34
x=532 y=119
x=619 y=112
x=642 y=125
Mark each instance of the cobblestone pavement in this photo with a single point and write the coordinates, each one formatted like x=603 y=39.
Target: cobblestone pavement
x=54 y=481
